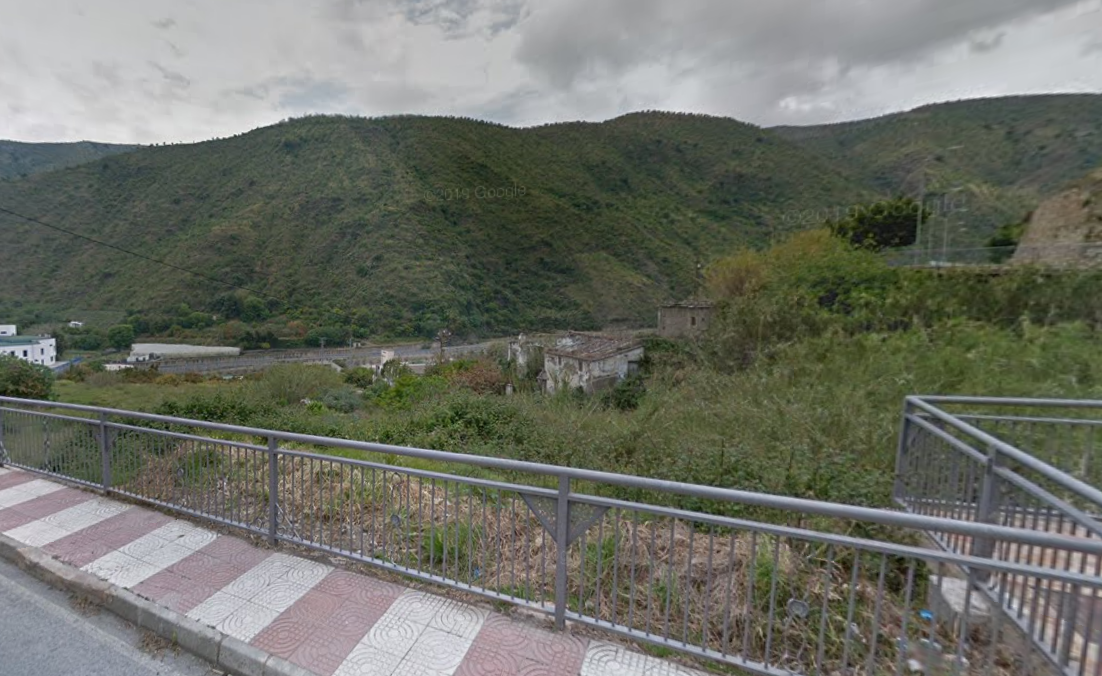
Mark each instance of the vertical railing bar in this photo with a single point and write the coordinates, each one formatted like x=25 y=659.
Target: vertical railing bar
x=273 y=490
x=871 y=663
x=562 y=530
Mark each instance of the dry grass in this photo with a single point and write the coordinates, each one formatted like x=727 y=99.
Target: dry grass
x=157 y=646
x=85 y=606
x=765 y=597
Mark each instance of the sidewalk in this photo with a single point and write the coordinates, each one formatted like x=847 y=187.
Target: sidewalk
x=320 y=618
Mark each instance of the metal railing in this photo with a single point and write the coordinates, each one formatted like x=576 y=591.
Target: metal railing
x=660 y=562
x=1023 y=463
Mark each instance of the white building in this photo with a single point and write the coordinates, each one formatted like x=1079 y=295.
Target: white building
x=7 y=330
x=589 y=361
x=76 y=325
x=35 y=349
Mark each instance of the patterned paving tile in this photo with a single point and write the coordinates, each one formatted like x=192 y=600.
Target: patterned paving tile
x=605 y=659
x=120 y=569
x=280 y=595
x=12 y=478
x=216 y=608
x=352 y=619
x=367 y=661
x=66 y=522
x=460 y=619
x=10 y=497
x=361 y=589
x=40 y=506
x=316 y=607
x=87 y=545
x=284 y=635
x=437 y=650
x=247 y=620
x=173 y=591
x=393 y=635
x=323 y=652
x=483 y=660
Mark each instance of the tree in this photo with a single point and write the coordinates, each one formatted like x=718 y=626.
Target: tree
x=1004 y=242
x=121 y=337
x=19 y=378
x=881 y=225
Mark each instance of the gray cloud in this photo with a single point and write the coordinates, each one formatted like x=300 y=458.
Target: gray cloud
x=115 y=75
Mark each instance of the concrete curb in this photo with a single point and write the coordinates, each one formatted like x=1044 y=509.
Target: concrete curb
x=226 y=652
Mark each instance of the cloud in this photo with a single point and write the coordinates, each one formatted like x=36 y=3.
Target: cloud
x=159 y=70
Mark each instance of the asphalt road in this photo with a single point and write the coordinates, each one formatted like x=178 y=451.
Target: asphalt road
x=42 y=634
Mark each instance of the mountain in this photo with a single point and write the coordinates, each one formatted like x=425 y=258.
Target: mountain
x=19 y=160
x=1007 y=153
x=404 y=224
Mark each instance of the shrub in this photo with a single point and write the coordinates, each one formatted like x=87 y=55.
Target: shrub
x=626 y=395
x=360 y=377
x=19 y=378
x=341 y=399
x=291 y=383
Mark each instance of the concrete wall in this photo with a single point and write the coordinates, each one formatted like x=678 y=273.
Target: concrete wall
x=683 y=322
x=570 y=373
x=8 y=330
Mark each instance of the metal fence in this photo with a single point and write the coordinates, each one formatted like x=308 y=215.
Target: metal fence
x=1029 y=464
x=660 y=562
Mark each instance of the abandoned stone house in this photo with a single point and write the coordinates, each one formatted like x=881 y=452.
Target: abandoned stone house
x=687 y=319
x=589 y=361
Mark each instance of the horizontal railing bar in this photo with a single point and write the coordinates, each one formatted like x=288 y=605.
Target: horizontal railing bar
x=876 y=546
x=1073 y=513
x=421 y=473
x=1017 y=418
x=52 y=416
x=1007 y=401
x=959 y=444
x=1048 y=471
x=785 y=503
x=188 y=437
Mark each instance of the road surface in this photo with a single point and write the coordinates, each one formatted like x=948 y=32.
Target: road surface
x=42 y=634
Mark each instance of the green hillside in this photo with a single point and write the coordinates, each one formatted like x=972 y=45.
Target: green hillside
x=19 y=160
x=387 y=223
x=1014 y=150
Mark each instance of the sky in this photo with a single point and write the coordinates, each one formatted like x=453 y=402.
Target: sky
x=152 y=71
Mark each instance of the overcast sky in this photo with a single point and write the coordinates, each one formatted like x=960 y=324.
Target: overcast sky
x=149 y=71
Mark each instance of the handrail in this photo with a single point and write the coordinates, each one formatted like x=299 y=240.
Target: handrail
x=802 y=505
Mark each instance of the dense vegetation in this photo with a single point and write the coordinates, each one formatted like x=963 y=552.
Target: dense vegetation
x=400 y=226
x=407 y=225
x=1007 y=153
x=19 y=160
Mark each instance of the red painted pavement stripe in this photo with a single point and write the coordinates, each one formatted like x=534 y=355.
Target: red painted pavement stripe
x=42 y=506
x=320 y=630
x=89 y=544
x=505 y=647
x=192 y=580
x=14 y=478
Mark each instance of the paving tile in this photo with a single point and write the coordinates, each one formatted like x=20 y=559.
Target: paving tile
x=323 y=652
x=120 y=569
x=13 y=478
x=418 y=607
x=351 y=619
x=316 y=607
x=251 y=582
x=280 y=595
x=361 y=589
x=166 y=556
x=483 y=660
x=605 y=659
x=216 y=608
x=366 y=661
x=393 y=635
x=460 y=619
x=247 y=620
x=174 y=592
x=40 y=506
x=437 y=650
x=24 y=492
x=285 y=635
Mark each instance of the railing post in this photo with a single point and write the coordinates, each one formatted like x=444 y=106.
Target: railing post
x=105 y=453
x=987 y=511
x=905 y=436
x=3 y=448
x=273 y=489
x=562 y=533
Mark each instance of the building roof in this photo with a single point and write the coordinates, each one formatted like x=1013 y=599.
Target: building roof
x=22 y=340
x=591 y=346
x=691 y=304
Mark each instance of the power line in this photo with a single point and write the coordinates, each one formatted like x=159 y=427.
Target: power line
x=158 y=261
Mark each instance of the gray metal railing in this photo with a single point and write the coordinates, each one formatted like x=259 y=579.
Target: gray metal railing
x=1023 y=463
x=656 y=561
